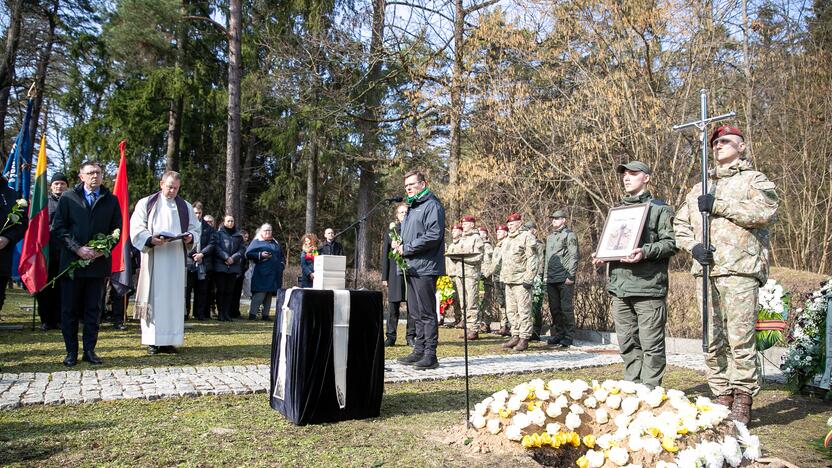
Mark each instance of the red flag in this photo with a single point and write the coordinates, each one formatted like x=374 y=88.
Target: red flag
x=34 y=258
x=122 y=273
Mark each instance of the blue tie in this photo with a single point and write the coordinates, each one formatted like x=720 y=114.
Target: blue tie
x=91 y=198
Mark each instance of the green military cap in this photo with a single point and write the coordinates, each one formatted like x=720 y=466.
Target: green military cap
x=529 y=225
x=633 y=166
x=558 y=214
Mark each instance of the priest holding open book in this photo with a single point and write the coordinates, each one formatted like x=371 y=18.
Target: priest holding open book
x=162 y=227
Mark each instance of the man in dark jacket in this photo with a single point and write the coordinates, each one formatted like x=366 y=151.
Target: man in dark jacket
x=200 y=263
x=330 y=246
x=87 y=210
x=49 y=304
x=560 y=265
x=11 y=234
x=422 y=246
x=638 y=283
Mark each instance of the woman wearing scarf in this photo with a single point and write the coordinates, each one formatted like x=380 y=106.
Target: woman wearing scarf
x=308 y=252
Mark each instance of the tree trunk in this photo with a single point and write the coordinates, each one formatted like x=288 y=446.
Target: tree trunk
x=40 y=74
x=455 y=150
x=369 y=142
x=177 y=100
x=312 y=185
x=7 y=68
x=232 y=162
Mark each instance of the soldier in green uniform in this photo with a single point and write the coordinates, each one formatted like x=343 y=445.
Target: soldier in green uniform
x=499 y=287
x=638 y=283
x=518 y=267
x=742 y=204
x=452 y=272
x=469 y=242
x=487 y=301
x=560 y=267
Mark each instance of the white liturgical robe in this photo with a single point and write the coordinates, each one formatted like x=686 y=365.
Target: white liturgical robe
x=160 y=295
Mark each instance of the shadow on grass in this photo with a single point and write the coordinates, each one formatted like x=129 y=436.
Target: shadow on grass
x=16 y=439
x=786 y=410
x=415 y=402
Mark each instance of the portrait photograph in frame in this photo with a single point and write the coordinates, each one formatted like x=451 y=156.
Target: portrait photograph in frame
x=622 y=231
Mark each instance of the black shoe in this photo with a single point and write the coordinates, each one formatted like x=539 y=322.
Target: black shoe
x=71 y=359
x=151 y=350
x=389 y=343
x=552 y=341
x=564 y=345
x=535 y=337
x=411 y=342
x=120 y=326
x=252 y=317
x=410 y=359
x=91 y=357
x=427 y=362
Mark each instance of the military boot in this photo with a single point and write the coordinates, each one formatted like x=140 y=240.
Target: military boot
x=741 y=410
x=512 y=342
x=522 y=345
x=726 y=400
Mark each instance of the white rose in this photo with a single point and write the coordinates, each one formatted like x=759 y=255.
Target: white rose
x=619 y=456
x=596 y=459
x=576 y=408
x=573 y=421
x=602 y=416
x=478 y=421
x=630 y=405
x=614 y=401
x=553 y=428
x=591 y=402
x=514 y=433
x=553 y=410
x=493 y=426
x=521 y=420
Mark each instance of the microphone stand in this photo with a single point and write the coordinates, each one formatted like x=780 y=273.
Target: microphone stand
x=356 y=225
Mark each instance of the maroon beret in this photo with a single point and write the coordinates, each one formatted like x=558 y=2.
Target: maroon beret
x=514 y=217
x=502 y=227
x=457 y=226
x=483 y=229
x=723 y=130
x=468 y=219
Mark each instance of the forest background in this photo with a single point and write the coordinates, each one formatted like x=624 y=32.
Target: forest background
x=306 y=113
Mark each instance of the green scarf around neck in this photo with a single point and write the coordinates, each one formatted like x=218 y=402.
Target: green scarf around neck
x=419 y=195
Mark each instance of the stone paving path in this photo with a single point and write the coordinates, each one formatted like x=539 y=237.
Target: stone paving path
x=90 y=385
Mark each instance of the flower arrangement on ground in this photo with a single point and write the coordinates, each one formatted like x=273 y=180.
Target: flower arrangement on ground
x=616 y=423
x=445 y=293
x=805 y=357
x=774 y=304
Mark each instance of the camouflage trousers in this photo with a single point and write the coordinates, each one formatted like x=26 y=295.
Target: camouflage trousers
x=639 y=326
x=519 y=310
x=732 y=347
x=471 y=300
x=487 y=302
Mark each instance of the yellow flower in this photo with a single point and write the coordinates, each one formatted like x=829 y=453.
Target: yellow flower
x=536 y=440
x=589 y=440
x=530 y=406
x=682 y=430
x=526 y=442
x=530 y=396
x=545 y=439
x=575 y=439
x=582 y=462
x=653 y=431
x=505 y=412
x=669 y=444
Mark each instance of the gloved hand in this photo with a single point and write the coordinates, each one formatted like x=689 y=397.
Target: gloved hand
x=706 y=202
x=527 y=285
x=702 y=255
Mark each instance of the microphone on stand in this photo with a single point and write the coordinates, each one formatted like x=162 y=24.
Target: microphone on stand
x=396 y=199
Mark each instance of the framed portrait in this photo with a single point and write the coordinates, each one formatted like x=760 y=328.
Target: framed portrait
x=622 y=231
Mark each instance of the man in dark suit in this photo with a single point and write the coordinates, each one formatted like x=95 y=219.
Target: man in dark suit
x=83 y=212
x=330 y=246
x=393 y=280
x=10 y=235
x=200 y=268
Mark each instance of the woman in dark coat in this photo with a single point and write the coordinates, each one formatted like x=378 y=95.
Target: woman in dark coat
x=393 y=280
x=228 y=254
x=308 y=252
x=267 y=261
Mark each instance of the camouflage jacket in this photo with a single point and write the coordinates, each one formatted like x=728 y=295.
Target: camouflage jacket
x=470 y=242
x=561 y=259
x=647 y=278
x=495 y=260
x=518 y=259
x=746 y=204
x=451 y=267
x=487 y=260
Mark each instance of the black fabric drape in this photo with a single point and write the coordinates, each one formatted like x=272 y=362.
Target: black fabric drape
x=310 y=379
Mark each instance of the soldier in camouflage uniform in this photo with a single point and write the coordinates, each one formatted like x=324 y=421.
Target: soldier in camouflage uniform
x=487 y=302
x=638 y=283
x=452 y=272
x=499 y=287
x=518 y=266
x=469 y=242
x=560 y=267
x=742 y=204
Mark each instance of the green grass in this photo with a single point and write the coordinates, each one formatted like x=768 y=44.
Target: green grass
x=209 y=343
x=243 y=430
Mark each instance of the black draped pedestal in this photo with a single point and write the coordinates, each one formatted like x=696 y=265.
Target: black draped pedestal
x=309 y=392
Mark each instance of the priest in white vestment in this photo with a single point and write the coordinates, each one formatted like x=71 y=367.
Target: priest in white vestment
x=162 y=227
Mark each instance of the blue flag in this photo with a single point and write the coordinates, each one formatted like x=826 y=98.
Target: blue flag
x=18 y=172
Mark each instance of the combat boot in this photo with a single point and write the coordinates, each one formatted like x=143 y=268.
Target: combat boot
x=410 y=359
x=504 y=332
x=428 y=361
x=741 y=410
x=522 y=345
x=512 y=342
x=726 y=400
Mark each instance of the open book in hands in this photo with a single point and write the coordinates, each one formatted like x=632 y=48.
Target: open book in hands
x=169 y=236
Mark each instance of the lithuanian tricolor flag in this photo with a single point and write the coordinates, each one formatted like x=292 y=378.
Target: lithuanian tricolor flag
x=34 y=258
